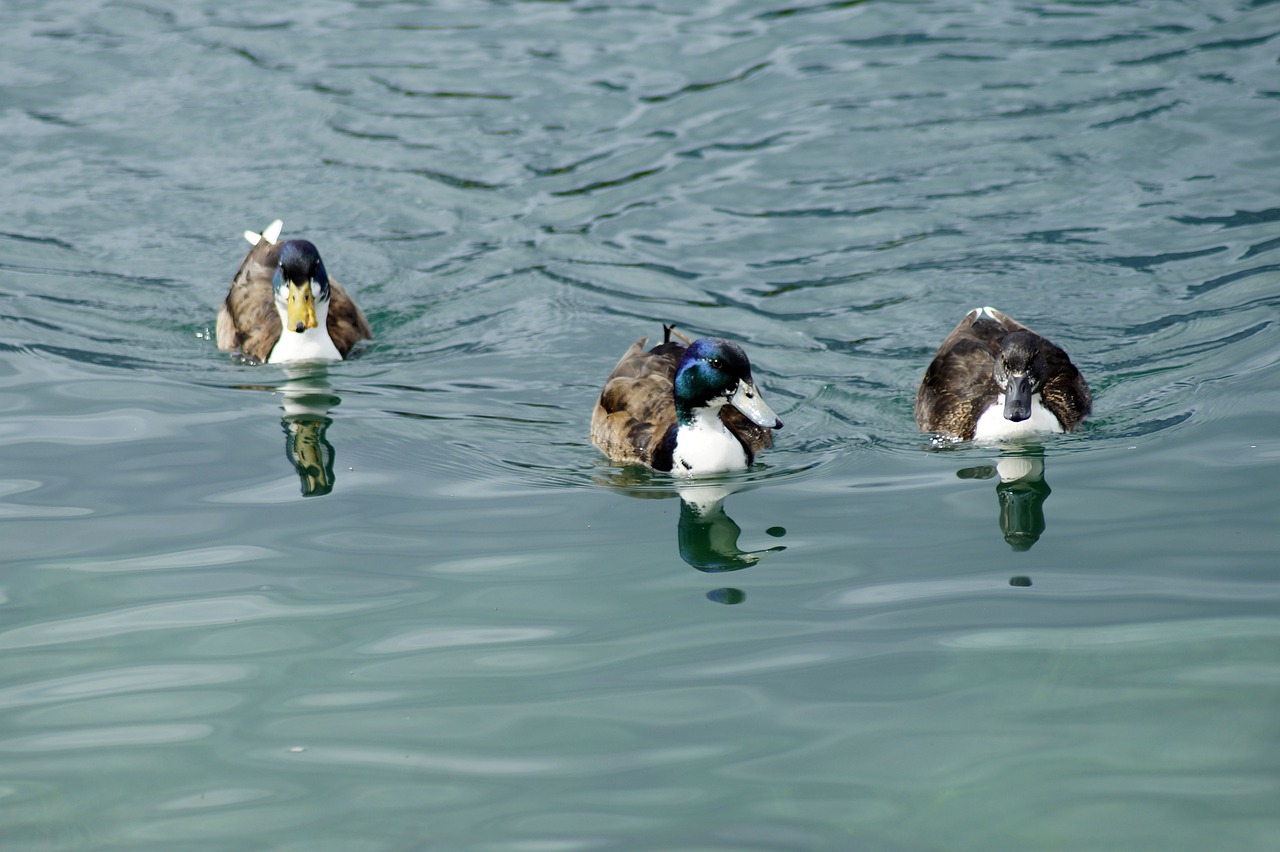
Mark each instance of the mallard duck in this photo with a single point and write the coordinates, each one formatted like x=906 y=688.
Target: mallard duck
x=283 y=306
x=687 y=408
x=994 y=378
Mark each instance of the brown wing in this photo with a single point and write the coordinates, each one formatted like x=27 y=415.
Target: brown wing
x=247 y=321
x=637 y=406
x=346 y=322
x=957 y=387
x=1066 y=393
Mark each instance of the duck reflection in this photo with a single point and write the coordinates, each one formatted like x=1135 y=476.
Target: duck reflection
x=306 y=398
x=1020 y=493
x=707 y=538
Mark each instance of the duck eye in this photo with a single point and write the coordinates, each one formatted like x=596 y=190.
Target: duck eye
x=718 y=363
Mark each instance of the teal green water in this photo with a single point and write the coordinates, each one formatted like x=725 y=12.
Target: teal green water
x=477 y=633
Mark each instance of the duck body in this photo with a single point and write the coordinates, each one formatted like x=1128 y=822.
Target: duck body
x=995 y=379
x=283 y=307
x=687 y=408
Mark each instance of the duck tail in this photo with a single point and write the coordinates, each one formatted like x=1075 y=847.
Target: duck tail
x=669 y=331
x=271 y=233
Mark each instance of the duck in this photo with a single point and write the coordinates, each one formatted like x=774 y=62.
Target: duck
x=283 y=307
x=995 y=379
x=683 y=407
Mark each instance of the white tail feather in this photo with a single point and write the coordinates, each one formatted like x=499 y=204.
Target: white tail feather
x=271 y=233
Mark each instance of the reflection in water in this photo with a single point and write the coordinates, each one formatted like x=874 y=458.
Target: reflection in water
x=706 y=536
x=1020 y=493
x=728 y=596
x=306 y=398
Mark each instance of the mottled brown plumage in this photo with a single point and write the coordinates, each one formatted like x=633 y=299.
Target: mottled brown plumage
x=248 y=322
x=959 y=384
x=637 y=408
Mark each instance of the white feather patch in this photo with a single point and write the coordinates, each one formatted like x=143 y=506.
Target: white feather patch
x=310 y=345
x=271 y=233
x=992 y=425
x=706 y=446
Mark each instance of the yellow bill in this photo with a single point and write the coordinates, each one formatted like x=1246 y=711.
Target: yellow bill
x=301 y=307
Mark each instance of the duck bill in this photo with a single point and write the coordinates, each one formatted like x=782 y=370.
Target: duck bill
x=1017 y=398
x=747 y=400
x=301 y=307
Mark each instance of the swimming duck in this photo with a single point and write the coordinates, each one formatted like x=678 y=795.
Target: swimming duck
x=687 y=408
x=283 y=306
x=994 y=378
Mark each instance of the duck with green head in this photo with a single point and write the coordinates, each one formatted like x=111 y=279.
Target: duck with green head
x=688 y=408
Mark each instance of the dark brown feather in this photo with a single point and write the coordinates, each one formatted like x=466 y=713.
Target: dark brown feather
x=347 y=325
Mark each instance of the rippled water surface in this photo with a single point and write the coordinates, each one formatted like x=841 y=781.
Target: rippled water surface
x=402 y=603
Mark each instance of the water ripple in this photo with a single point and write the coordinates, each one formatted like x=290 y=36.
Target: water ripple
x=1125 y=636
x=99 y=683
x=453 y=637
x=131 y=736
x=173 y=615
x=693 y=88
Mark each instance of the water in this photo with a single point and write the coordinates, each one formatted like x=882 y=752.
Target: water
x=475 y=632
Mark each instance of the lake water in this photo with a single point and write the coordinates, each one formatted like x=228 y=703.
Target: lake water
x=402 y=603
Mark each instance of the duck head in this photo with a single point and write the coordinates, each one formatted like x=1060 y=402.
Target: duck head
x=301 y=286
x=716 y=372
x=1020 y=371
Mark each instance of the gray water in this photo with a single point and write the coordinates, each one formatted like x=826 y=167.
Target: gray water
x=402 y=603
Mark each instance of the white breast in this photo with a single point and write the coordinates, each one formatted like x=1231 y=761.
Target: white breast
x=992 y=425
x=706 y=446
x=312 y=344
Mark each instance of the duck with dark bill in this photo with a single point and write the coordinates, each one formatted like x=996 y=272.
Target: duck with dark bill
x=994 y=379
